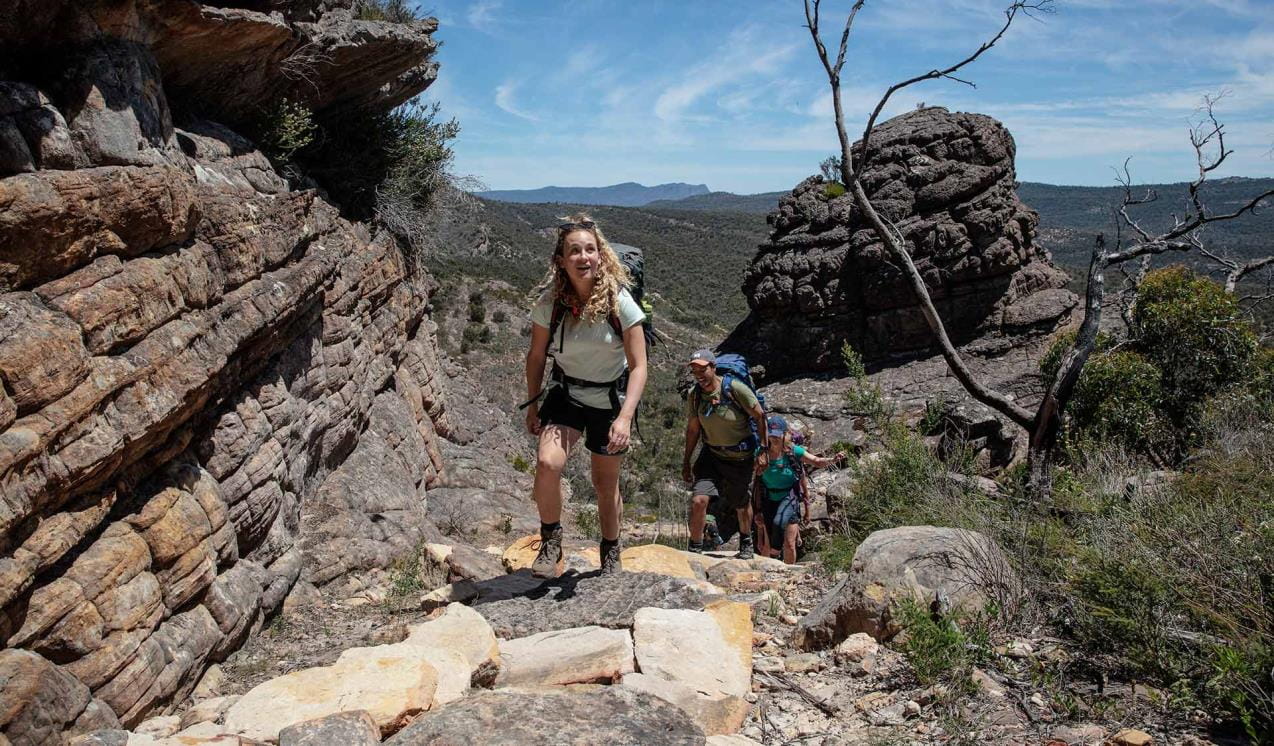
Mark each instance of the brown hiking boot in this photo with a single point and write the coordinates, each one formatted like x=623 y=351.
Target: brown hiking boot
x=550 y=554
x=611 y=562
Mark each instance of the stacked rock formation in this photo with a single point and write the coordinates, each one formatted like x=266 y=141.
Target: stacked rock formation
x=824 y=277
x=211 y=385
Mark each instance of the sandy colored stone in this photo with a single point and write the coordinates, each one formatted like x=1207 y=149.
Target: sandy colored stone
x=1131 y=737
x=159 y=727
x=391 y=682
x=207 y=711
x=459 y=629
x=856 y=647
x=520 y=554
x=658 y=559
x=458 y=592
x=731 y=740
x=689 y=650
x=569 y=656
x=717 y=713
x=735 y=620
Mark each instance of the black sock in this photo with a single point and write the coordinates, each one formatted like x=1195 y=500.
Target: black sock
x=608 y=544
x=548 y=528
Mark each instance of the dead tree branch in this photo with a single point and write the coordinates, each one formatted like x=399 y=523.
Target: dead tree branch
x=1043 y=425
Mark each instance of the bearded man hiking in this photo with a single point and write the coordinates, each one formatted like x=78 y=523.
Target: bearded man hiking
x=725 y=413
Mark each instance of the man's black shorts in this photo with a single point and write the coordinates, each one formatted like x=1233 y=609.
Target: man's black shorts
x=718 y=477
x=560 y=409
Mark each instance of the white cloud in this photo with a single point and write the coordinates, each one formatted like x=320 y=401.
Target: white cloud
x=504 y=100
x=482 y=14
x=745 y=56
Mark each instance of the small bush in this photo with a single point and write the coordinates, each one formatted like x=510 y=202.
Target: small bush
x=499 y=316
x=852 y=360
x=1197 y=335
x=385 y=164
x=286 y=129
x=588 y=522
x=943 y=649
x=834 y=190
x=1119 y=399
x=395 y=11
x=520 y=464
x=477 y=307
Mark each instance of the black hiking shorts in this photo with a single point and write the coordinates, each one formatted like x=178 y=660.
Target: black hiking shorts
x=729 y=480
x=560 y=409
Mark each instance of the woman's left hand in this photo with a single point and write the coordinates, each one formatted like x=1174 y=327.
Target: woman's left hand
x=619 y=435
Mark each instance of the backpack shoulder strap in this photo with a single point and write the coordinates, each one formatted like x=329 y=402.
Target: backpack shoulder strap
x=615 y=324
x=555 y=323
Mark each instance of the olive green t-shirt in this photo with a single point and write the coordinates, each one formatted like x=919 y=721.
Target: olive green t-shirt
x=721 y=423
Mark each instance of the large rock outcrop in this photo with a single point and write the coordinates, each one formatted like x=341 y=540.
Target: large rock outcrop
x=947 y=182
x=211 y=384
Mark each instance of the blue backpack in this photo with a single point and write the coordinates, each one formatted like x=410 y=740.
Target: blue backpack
x=732 y=367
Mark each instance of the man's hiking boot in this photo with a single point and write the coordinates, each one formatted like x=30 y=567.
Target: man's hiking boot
x=611 y=562
x=545 y=564
x=745 y=547
x=695 y=546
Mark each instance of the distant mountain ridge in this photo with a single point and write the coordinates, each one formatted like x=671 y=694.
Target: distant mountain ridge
x=627 y=194
x=716 y=201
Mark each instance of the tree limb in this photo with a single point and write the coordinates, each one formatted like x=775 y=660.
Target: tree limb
x=1018 y=6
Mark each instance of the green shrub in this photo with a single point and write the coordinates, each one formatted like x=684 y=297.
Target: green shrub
x=905 y=485
x=387 y=164
x=1173 y=583
x=1195 y=333
x=1119 y=399
x=836 y=552
x=395 y=11
x=943 y=649
x=852 y=360
x=588 y=522
x=286 y=129
x=520 y=464
x=499 y=316
x=834 y=190
x=477 y=307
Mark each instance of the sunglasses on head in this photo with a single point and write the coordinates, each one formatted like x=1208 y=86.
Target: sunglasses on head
x=586 y=225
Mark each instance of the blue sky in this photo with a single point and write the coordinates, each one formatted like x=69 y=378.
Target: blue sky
x=731 y=94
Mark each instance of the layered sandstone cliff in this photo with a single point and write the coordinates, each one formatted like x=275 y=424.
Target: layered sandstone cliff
x=211 y=384
x=947 y=182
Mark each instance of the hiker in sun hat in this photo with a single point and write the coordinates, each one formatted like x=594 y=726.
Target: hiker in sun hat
x=781 y=494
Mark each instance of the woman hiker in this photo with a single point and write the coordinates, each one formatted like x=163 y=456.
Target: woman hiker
x=724 y=466
x=781 y=500
x=593 y=327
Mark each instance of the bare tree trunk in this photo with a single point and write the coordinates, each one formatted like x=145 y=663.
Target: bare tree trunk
x=1047 y=422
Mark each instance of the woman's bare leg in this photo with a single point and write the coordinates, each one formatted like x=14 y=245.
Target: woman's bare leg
x=610 y=506
x=556 y=442
x=791 y=534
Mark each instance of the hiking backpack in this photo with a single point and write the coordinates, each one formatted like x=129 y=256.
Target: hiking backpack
x=634 y=261
x=732 y=367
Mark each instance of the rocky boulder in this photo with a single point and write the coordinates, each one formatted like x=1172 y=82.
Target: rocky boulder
x=574 y=600
x=610 y=715
x=946 y=180
x=940 y=569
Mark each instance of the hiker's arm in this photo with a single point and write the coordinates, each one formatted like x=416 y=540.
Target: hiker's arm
x=535 y=357
x=635 y=351
x=692 y=440
x=820 y=462
x=763 y=432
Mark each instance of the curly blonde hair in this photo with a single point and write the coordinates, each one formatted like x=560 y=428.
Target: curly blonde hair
x=612 y=275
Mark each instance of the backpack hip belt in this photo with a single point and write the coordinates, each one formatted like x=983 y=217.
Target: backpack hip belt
x=559 y=377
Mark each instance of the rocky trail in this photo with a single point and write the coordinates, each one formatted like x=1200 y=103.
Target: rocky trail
x=678 y=649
